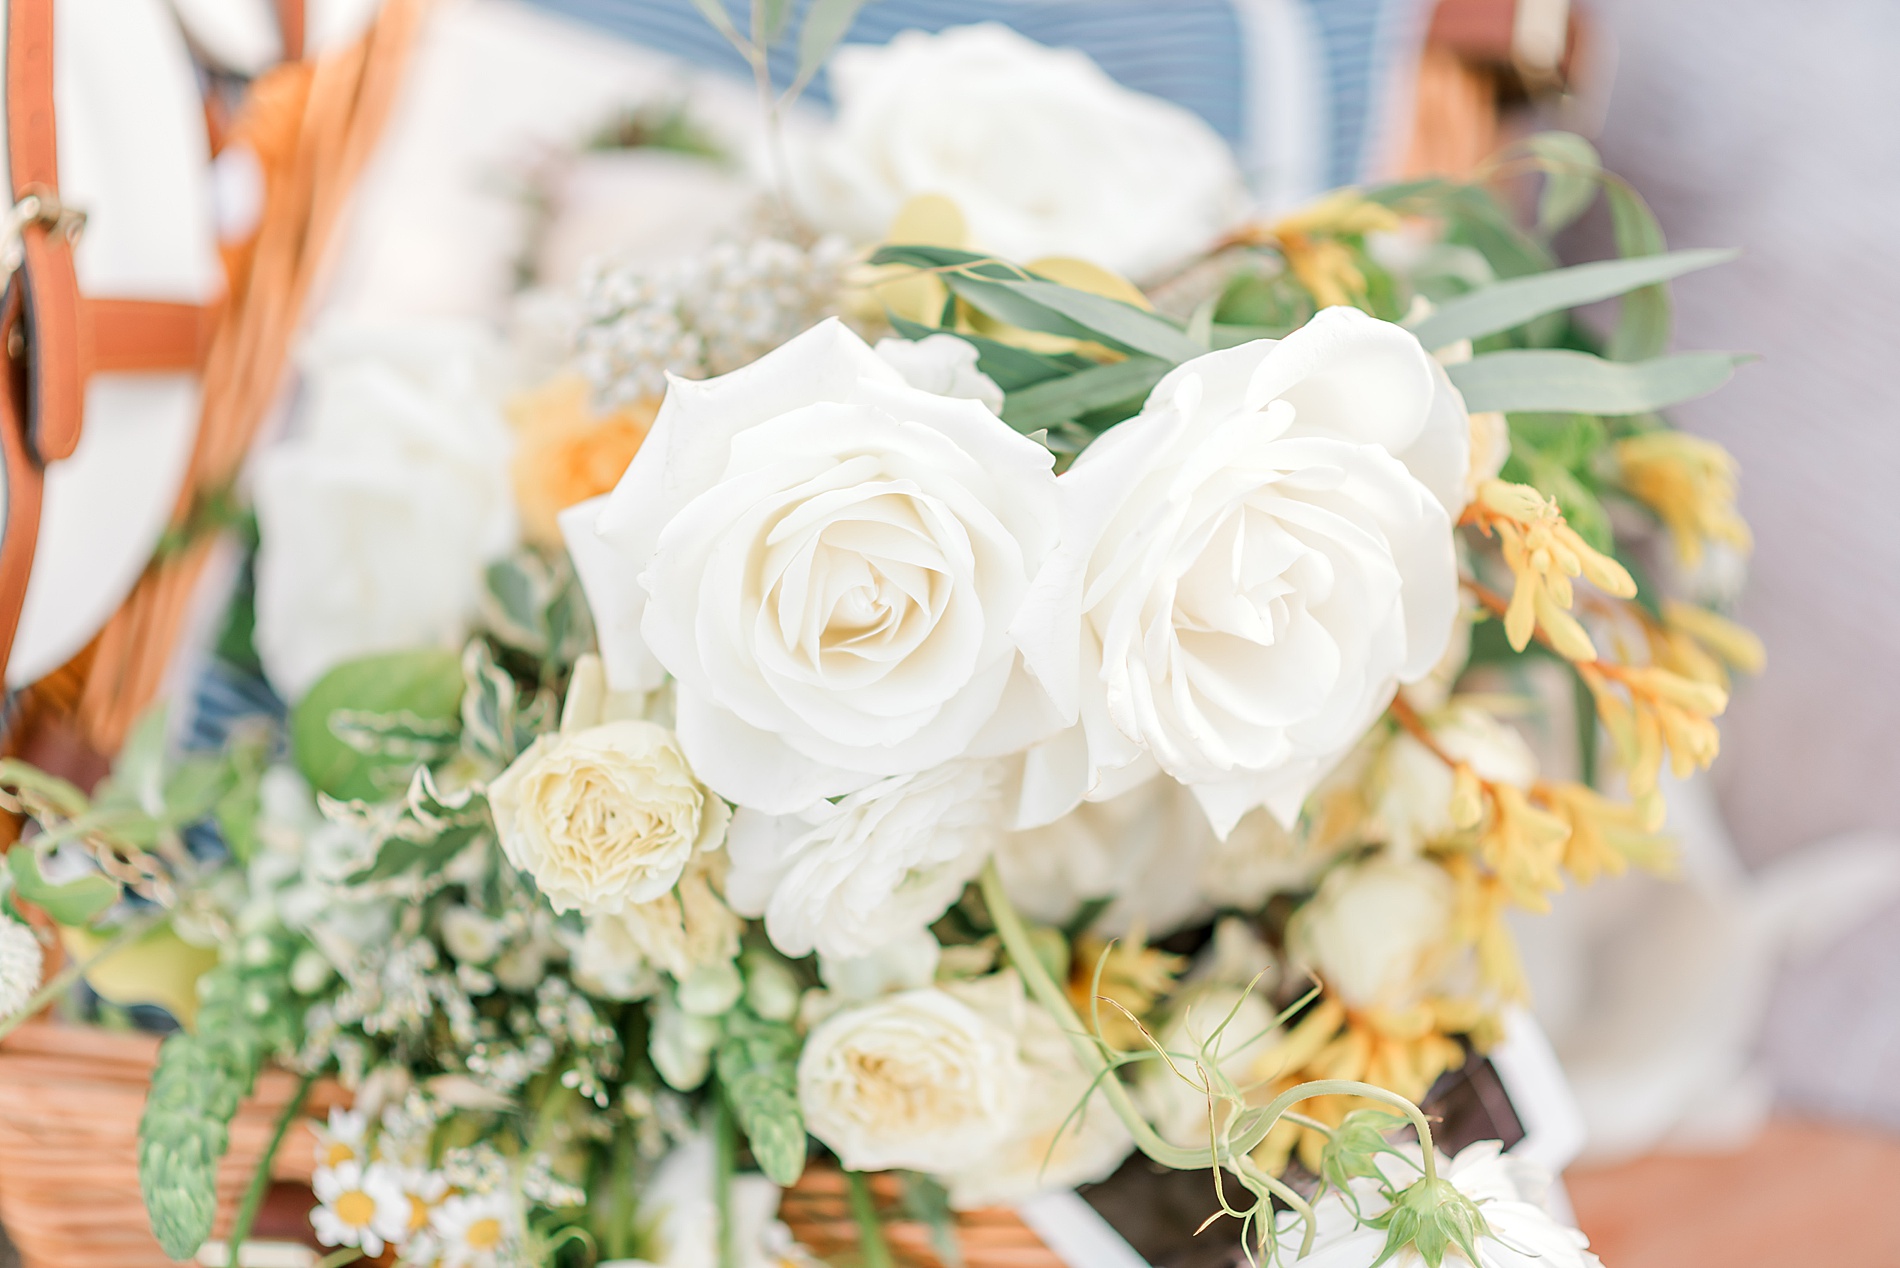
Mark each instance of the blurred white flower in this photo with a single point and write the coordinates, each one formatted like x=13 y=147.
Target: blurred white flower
x=1378 y=933
x=422 y=1190
x=944 y=365
x=680 y=1207
x=1224 y=1028
x=1042 y=152
x=918 y=1080
x=475 y=1230
x=470 y=936
x=847 y=878
x=1509 y=1194
x=376 y=519
x=21 y=963
x=1412 y=786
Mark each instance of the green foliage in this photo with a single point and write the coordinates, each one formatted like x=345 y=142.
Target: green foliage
x=1352 y=1152
x=368 y=723
x=1560 y=380
x=1272 y=303
x=757 y=1061
x=72 y=903
x=534 y=605
x=1432 y=1216
x=1119 y=387
x=927 y=1202
x=248 y=1012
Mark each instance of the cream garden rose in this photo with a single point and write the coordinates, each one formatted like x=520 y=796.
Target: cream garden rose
x=1041 y=151
x=849 y=878
x=1412 y=786
x=605 y=817
x=1249 y=569
x=1378 y=933
x=827 y=561
x=917 y=1080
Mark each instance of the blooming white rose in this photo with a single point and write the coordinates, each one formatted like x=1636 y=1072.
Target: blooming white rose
x=848 y=878
x=1510 y=1193
x=604 y=817
x=1248 y=570
x=827 y=561
x=375 y=521
x=1048 y=1149
x=918 y=1080
x=1413 y=786
x=1042 y=152
x=945 y=365
x=1377 y=933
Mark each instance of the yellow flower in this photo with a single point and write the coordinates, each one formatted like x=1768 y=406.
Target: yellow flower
x=1605 y=836
x=1690 y=483
x=1309 y=240
x=1133 y=975
x=1480 y=924
x=1523 y=846
x=1665 y=712
x=1544 y=553
x=568 y=453
x=1699 y=644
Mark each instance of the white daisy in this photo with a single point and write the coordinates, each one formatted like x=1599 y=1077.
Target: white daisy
x=345 y=1138
x=357 y=1201
x=471 y=1230
x=21 y=963
x=422 y=1192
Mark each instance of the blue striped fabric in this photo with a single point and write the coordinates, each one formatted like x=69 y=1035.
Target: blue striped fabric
x=1191 y=52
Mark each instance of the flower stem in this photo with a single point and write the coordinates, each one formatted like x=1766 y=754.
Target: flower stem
x=873 y=1250
x=260 y=1179
x=725 y=1166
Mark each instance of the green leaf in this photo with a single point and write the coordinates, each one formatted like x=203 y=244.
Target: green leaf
x=1642 y=328
x=826 y=22
x=1061 y=310
x=73 y=903
x=769 y=20
x=1572 y=168
x=1508 y=304
x=1559 y=380
x=1054 y=402
x=423 y=686
x=927 y=1202
x=714 y=11
x=758 y=1068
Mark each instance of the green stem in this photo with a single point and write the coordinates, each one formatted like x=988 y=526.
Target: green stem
x=725 y=1166
x=1280 y=1104
x=873 y=1250
x=260 y=1179
x=62 y=981
x=1251 y=1170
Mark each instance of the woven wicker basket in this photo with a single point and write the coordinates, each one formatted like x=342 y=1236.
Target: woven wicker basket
x=819 y=1214
x=70 y=1101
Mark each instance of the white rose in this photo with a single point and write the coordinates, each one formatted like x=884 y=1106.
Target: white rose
x=918 y=1080
x=827 y=561
x=944 y=365
x=848 y=878
x=1249 y=569
x=1042 y=152
x=688 y=928
x=1378 y=933
x=605 y=817
x=1048 y=1149
x=1413 y=786
x=375 y=521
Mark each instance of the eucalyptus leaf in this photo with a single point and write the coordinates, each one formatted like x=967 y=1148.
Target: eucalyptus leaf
x=1054 y=402
x=1571 y=168
x=1508 y=304
x=1110 y=321
x=1559 y=380
x=73 y=903
x=826 y=23
x=769 y=18
x=424 y=684
x=714 y=11
x=1642 y=328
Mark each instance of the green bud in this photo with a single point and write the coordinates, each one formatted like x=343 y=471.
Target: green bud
x=1432 y=1215
x=1356 y=1144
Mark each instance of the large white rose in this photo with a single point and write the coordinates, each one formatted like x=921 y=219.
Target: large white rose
x=827 y=561
x=1378 y=933
x=849 y=878
x=376 y=519
x=1042 y=152
x=918 y=1080
x=1249 y=569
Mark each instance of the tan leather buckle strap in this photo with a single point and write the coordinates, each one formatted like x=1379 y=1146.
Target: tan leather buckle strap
x=134 y=335
x=291 y=20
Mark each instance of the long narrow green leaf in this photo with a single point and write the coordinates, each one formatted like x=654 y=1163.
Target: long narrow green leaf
x=1559 y=380
x=1642 y=328
x=826 y=22
x=1055 y=402
x=769 y=17
x=1572 y=169
x=1057 y=310
x=714 y=11
x=1510 y=303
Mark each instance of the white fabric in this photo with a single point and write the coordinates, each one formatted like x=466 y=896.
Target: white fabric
x=133 y=156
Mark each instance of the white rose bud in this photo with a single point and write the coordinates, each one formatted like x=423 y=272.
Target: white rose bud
x=470 y=936
x=681 y=1044
x=605 y=817
x=1414 y=786
x=1377 y=933
x=918 y=1080
x=945 y=365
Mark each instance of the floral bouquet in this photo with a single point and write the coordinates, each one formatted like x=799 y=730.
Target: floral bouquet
x=931 y=705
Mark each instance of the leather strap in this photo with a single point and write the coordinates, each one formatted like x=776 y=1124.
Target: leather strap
x=290 y=26
x=134 y=335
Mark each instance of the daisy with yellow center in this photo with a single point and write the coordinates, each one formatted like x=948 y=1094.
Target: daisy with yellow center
x=342 y=1139
x=357 y=1201
x=471 y=1230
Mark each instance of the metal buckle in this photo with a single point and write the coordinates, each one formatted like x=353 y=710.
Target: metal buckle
x=37 y=206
